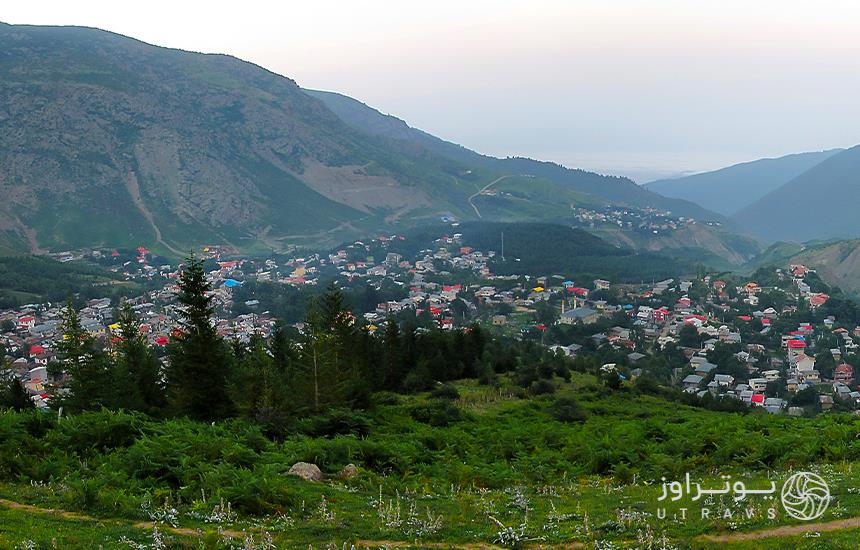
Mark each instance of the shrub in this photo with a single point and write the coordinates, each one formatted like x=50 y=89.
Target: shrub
x=542 y=387
x=567 y=409
x=335 y=422
x=436 y=413
x=445 y=391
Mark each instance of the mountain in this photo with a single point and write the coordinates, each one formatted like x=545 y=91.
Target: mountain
x=608 y=189
x=109 y=141
x=820 y=203
x=730 y=189
x=716 y=243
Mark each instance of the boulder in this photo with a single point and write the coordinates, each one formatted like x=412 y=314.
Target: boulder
x=306 y=471
x=348 y=471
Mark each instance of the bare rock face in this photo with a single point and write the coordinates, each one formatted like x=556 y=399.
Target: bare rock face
x=306 y=471
x=348 y=471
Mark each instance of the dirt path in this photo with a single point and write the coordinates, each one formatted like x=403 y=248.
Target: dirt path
x=484 y=188
x=148 y=525
x=775 y=532
x=786 y=531
x=133 y=189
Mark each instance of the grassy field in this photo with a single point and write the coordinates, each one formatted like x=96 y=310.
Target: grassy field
x=501 y=472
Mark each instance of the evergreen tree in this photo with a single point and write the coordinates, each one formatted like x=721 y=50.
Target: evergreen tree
x=391 y=371
x=199 y=360
x=89 y=383
x=138 y=368
x=13 y=394
x=259 y=391
x=330 y=370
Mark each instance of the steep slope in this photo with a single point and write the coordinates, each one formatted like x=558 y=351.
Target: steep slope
x=730 y=189
x=105 y=140
x=609 y=189
x=821 y=203
x=837 y=263
x=699 y=241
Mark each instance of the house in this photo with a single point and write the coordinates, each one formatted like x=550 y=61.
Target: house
x=724 y=380
x=703 y=369
x=771 y=375
x=841 y=390
x=757 y=384
x=499 y=320
x=569 y=351
x=692 y=381
x=844 y=373
x=583 y=315
x=600 y=284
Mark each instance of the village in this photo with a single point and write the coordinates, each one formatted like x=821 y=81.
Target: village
x=768 y=344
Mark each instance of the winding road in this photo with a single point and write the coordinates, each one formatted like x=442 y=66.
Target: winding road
x=484 y=188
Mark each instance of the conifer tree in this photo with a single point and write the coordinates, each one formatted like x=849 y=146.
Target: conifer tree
x=138 y=368
x=13 y=394
x=331 y=370
x=89 y=383
x=259 y=391
x=199 y=360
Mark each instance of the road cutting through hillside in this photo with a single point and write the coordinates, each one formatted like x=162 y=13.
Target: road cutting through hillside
x=484 y=188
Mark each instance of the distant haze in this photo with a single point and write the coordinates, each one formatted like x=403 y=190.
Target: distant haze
x=646 y=89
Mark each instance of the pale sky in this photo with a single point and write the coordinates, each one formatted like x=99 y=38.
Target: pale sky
x=621 y=86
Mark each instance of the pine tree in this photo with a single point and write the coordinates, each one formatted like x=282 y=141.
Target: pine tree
x=392 y=357
x=89 y=383
x=199 y=360
x=13 y=394
x=138 y=368
x=260 y=391
x=331 y=369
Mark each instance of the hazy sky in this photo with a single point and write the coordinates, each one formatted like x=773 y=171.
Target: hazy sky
x=631 y=87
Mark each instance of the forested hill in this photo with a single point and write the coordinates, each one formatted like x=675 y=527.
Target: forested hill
x=818 y=204
x=730 y=189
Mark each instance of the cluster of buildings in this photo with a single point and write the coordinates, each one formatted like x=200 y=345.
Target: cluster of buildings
x=631 y=219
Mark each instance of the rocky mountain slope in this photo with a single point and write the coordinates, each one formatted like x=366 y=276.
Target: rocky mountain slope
x=108 y=141
x=412 y=141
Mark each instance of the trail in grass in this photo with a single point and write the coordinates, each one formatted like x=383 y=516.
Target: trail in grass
x=775 y=532
x=786 y=530
x=148 y=525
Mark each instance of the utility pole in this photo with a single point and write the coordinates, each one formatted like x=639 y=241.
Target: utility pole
x=503 y=246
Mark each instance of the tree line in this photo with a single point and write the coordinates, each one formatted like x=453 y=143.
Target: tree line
x=333 y=362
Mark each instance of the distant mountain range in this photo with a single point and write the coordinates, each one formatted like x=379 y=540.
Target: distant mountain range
x=729 y=190
x=800 y=198
x=820 y=203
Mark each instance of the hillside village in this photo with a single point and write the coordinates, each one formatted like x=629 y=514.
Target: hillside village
x=772 y=342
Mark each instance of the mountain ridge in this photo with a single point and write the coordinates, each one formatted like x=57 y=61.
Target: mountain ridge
x=728 y=190
x=107 y=141
x=817 y=204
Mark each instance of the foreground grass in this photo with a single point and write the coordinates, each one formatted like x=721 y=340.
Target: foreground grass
x=489 y=469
